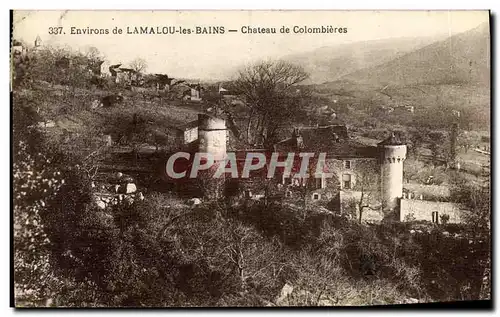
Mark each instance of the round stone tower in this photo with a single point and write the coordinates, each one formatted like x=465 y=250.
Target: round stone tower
x=212 y=136
x=392 y=155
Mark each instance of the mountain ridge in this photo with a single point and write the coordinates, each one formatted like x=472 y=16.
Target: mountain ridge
x=329 y=63
x=463 y=58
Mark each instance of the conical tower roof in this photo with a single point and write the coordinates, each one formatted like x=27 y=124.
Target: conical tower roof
x=393 y=139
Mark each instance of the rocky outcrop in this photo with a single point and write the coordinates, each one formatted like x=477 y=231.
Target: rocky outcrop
x=193 y=202
x=105 y=200
x=292 y=296
x=120 y=188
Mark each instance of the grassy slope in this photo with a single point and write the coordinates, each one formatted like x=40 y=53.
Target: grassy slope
x=71 y=110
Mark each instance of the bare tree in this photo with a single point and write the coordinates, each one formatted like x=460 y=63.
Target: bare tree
x=468 y=140
x=93 y=54
x=476 y=197
x=412 y=169
x=241 y=236
x=139 y=65
x=270 y=89
x=367 y=184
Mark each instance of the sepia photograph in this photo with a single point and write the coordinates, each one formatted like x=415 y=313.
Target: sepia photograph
x=267 y=158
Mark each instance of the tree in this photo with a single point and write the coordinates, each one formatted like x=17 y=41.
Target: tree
x=412 y=168
x=34 y=278
x=468 y=140
x=477 y=200
x=367 y=184
x=417 y=138
x=270 y=89
x=139 y=65
x=93 y=54
x=439 y=145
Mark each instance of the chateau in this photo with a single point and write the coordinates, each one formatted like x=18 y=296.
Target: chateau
x=356 y=176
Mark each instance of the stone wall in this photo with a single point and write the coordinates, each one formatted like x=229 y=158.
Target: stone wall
x=190 y=135
x=362 y=171
x=415 y=209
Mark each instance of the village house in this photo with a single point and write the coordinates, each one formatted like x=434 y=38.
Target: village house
x=124 y=76
x=193 y=93
x=20 y=50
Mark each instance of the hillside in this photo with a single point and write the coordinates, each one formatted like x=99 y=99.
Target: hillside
x=330 y=63
x=460 y=59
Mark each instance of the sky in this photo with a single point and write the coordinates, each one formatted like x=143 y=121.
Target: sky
x=216 y=56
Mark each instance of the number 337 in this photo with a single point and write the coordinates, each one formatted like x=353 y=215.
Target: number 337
x=56 y=30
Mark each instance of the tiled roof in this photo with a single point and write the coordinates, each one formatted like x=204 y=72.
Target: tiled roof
x=332 y=139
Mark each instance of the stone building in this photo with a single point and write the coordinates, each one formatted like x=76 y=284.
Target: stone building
x=352 y=165
x=344 y=174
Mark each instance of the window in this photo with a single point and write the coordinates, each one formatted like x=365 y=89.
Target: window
x=316 y=196
x=248 y=194
x=347 y=165
x=435 y=217
x=317 y=183
x=346 y=181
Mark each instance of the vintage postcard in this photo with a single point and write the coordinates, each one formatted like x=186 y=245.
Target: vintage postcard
x=251 y=158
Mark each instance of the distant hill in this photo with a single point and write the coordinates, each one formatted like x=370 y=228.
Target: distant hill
x=333 y=62
x=460 y=59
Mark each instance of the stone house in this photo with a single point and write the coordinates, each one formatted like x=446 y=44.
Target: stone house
x=349 y=166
